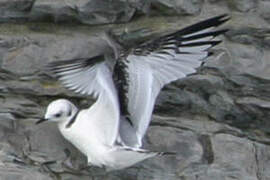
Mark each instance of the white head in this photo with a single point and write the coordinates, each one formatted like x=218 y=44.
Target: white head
x=59 y=111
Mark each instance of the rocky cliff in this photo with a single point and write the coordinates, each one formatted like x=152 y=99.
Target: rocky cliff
x=217 y=120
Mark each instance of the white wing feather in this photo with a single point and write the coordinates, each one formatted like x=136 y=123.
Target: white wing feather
x=148 y=68
x=95 y=78
x=159 y=62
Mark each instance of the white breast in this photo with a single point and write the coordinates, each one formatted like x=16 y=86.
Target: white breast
x=82 y=135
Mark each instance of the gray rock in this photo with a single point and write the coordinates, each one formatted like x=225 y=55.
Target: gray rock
x=52 y=11
x=83 y=11
x=9 y=173
x=183 y=7
x=263 y=9
x=15 y=10
x=23 y=60
x=254 y=101
x=217 y=120
x=240 y=163
x=243 y=5
x=100 y=12
x=214 y=1
x=262 y=153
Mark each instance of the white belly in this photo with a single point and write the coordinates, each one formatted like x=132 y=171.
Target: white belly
x=98 y=153
x=84 y=138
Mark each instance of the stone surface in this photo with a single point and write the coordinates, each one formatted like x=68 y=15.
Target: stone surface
x=264 y=6
x=183 y=7
x=15 y=10
x=243 y=5
x=217 y=120
x=82 y=11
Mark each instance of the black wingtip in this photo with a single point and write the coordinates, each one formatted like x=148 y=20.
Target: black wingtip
x=211 y=22
x=216 y=21
x=60 y=66
x=221 y=19
x=225 y=17
x=224 y=31
x=222 y=16
x=202 y=35
x=212 y=43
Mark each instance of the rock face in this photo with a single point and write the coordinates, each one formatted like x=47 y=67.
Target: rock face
x=81 y=11
x=217 y=120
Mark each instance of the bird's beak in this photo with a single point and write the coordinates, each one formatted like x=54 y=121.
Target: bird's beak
x=41 y=120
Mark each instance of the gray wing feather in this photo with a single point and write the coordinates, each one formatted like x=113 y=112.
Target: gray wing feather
x=156 y=63
x=80 y=75
x=93 y=77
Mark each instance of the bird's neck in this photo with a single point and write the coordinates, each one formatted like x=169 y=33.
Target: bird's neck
x=72 y=120
x=66 y=124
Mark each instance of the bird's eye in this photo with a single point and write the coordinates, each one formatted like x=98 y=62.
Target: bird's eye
x=57 y=115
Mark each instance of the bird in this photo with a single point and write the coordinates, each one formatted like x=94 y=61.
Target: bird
x=125 y=82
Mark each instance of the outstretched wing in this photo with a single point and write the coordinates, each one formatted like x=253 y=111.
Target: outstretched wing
x=93 y=76
x=156 y=63
x=79 y=75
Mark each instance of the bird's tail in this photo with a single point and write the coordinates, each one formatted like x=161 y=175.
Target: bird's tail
x=122 y=157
